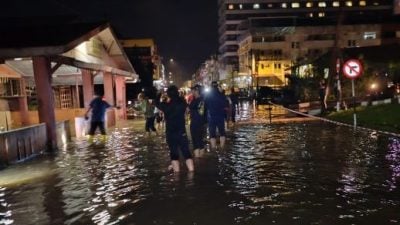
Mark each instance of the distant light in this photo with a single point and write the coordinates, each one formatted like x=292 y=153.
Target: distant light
x=171 y=60
x=207 y=89
x=373 y=86
x=17 y=59
x=129 y=102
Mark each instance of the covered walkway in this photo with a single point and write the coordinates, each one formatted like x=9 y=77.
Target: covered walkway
x=58 y=66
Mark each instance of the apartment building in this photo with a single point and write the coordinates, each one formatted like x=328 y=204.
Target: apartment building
x=270 y=47
x=232 y=13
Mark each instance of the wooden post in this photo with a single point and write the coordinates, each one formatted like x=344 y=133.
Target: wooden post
x=108 y=82
x=121 y=96
x=23 y=104
x=88 y=87
x=42 y=74
x=108 y=87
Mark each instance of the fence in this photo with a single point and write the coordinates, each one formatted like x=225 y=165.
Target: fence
x=24 y=143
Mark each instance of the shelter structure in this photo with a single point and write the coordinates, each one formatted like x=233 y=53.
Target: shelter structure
x=54 y=68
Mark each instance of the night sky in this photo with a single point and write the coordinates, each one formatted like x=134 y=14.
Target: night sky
x=185 y=30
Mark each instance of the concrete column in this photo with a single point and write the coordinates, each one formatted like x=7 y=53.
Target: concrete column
x=108 y=83
x=88 y=87
x=108 y=87
x=23 y=105
x=121 y=96
x=42 y=74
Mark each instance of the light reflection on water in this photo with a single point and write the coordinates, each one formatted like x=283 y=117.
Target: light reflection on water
x=269 y=174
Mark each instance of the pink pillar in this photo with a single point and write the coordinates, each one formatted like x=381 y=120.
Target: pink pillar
x=121 y=96
x=42 y=74
x=108 y=83
x=88 y=87
x=108 y=87
x=23 y=105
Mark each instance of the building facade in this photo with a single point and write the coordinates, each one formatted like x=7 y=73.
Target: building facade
x=232 y=13
x=268 y=53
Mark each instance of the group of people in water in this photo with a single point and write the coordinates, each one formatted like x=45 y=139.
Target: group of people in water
x=210 y=107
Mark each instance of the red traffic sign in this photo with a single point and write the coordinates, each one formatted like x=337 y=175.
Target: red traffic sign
x=352 y=68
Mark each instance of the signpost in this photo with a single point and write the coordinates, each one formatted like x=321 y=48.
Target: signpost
x=352 y=69
x=338 y=87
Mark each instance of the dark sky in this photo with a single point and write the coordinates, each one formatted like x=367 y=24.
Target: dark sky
x=185 y=30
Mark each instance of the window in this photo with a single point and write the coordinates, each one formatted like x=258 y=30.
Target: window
x=10 y=87
x=351 y=43
x=311 y=15
x=362 y=3
x=277 y=65
x=376 y=3
x=231 y=6
x=295 y=44
x=322 y=4
x=321 y=14
x=270 y=5
x=369 y=35
x=336 y=4
x=309 y=4
x=256 y=6
x=240 y=6
x=284 y=5
x=295 y=5
x=349 y=3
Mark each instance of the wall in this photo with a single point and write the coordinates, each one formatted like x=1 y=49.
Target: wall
x=61 y=115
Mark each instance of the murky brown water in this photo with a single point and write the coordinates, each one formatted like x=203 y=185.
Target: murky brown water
x=269 y=174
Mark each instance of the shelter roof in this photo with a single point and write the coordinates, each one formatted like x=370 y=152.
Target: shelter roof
x=25 y=40
x=64 y=41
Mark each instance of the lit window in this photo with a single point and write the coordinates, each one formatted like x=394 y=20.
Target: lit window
x=295 y=5
x=284 y=5
x=362 y=3
x=256 y=6
x=321 y=14
x=241 y=6
x=321 y=4
x=270 y=5
x=336 y=4
x=349 y=3
x=376 y=3
x=230 y=6
x=310 y=15
x=369 y=35
x=309 y=4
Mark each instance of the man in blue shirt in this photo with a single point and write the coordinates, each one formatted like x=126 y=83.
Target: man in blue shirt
x=216 y=105
x=98 y=107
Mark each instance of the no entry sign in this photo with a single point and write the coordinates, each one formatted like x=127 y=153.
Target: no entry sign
x=352 y=68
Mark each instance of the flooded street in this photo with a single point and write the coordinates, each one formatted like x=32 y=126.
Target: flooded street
x=292 y=173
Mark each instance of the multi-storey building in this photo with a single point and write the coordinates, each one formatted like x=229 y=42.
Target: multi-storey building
x=270 y=47
x=234 y=12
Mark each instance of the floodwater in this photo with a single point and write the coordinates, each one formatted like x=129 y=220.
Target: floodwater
x=301 y=173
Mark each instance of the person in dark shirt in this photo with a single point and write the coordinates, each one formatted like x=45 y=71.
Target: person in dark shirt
x=197 y=121
x=174 y=114
x=216 y=104
x=234 y=104
x=98 y=107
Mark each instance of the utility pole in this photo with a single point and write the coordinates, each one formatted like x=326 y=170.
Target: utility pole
x=335 y=55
